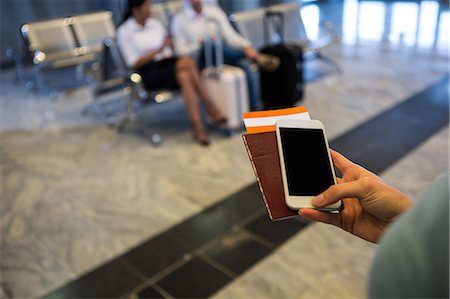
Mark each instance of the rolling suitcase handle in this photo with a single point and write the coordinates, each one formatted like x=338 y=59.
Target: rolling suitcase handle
x=214 y=70
x=277 y=20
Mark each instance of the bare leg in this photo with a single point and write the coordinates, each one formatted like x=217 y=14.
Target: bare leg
x=184 y=79
x=191 y=66
x=195 y=73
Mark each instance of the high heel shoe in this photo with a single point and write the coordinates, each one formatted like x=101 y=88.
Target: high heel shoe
x=215 y=114
x=200 y=136
x=220 y=120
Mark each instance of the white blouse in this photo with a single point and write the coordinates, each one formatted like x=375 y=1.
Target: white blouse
x=135 y=40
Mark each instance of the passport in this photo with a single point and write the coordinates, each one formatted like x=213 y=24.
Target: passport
x=262 y=150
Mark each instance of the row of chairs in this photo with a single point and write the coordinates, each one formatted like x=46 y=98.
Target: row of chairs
x=74 y=40
x=79 y=39
x=87 y=42
x=66 y=42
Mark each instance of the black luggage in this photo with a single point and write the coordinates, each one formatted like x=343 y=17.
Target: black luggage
x=283 y=87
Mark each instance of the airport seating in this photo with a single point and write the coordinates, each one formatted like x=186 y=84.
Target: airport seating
x=86 y=42
x=91 y=30
x=52 y=45
x=115 y=75
x=251 y=25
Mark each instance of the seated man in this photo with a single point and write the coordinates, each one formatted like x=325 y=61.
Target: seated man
x=196 y=23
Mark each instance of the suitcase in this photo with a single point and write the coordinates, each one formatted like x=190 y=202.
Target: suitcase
x=226 y=84
x=228 y=90
x=283 y=87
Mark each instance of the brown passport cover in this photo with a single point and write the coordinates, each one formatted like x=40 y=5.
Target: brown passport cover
x=262 y=150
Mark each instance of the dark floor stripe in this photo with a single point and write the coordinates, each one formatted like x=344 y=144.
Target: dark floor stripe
x=384 y=139
x=199 y=256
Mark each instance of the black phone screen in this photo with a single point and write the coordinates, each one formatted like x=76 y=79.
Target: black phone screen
x=308 y=169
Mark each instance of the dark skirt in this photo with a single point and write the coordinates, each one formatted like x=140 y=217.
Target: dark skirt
x=159 y=74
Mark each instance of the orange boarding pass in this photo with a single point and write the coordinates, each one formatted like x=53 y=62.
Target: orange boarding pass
x=265 y=121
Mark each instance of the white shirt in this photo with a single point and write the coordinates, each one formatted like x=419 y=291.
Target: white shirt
x=135 y=40
x=190 y=29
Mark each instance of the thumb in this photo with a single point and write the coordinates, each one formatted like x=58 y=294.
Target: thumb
x=355 y=189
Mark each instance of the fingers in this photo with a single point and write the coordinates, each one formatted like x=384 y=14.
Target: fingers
x=355 y=189
x=341 y=162
x=319 y=216
x=345 y=166
x=350 y=170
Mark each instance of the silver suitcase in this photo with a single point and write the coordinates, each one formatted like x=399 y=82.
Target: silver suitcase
x=226 y=84
x=229 y=92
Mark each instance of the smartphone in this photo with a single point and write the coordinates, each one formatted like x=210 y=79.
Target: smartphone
x=306 y=165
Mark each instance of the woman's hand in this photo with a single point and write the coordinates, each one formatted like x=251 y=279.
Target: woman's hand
x=370 y=205
x=166 y=43
x=146 y=58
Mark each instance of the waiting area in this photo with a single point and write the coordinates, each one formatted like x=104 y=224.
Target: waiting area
x=106 y=194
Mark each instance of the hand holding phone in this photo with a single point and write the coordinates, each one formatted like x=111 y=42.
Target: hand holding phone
x=306 y=164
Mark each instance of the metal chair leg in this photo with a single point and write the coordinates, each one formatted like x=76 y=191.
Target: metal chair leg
x=330 y=61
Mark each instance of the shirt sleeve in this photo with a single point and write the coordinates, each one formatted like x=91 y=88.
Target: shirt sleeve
x=125 y=45
x=167 y=52
x=228 y=32
x=182 y=45
x=412 y=258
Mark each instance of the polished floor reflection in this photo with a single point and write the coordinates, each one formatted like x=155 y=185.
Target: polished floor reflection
x=91 y=212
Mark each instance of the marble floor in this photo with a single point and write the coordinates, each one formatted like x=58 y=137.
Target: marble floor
x=76 y=194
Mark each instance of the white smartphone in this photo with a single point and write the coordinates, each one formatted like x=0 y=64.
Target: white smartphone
x=306 y=165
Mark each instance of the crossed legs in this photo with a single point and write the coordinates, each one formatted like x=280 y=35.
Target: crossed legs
x=191 y=85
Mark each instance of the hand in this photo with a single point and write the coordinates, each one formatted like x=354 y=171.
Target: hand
x=167 y=42
x=146 y=58
x=250 y=53
x=370 y=205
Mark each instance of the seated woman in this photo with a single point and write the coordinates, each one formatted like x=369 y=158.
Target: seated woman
x=144 y=44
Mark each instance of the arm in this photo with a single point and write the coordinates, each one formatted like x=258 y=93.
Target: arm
x=146 y=58
x=370 y=205
x=228 y=32
x=129 y=52
x=231 y=36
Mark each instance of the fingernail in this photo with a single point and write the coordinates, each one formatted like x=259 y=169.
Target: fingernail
x=317 y=201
